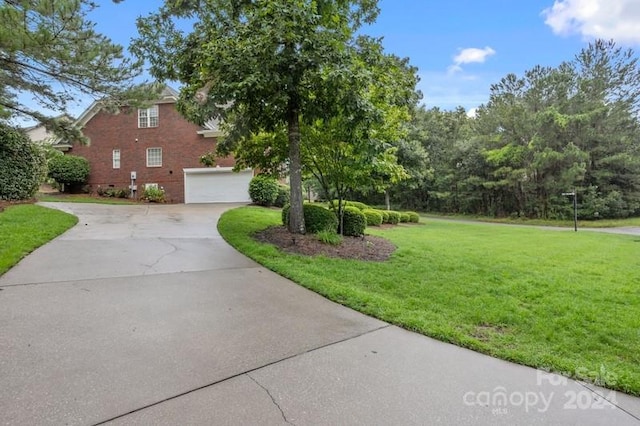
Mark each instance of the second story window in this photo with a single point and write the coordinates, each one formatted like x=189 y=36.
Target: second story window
x=148 y=117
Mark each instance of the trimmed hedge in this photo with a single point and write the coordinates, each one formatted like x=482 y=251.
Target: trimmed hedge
x=394 y=217
x=413 y=217
x=354 y=222
x=316 y=218
x=284 y=196
x=404 y=217
x=69 y=170
x=357 y=204
x=22 y=165
x=374 y=217
x=385 y=215
x=263 y=190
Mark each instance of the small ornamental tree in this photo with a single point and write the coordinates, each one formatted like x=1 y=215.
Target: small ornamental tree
x=69 y=170
x=22 y=165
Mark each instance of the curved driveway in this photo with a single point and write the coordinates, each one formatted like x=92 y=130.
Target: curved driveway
x=142 y=314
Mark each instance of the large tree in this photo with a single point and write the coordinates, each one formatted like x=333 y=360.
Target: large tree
x=262 y=65
x=50 y=52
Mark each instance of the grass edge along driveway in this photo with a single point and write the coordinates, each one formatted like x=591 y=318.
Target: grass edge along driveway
x=25 y=227
x=559 y=301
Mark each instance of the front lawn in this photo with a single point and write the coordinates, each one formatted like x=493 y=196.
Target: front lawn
x=549 y=299
x=25 y=227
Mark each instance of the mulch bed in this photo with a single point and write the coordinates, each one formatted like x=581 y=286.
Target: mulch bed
x=367 y=248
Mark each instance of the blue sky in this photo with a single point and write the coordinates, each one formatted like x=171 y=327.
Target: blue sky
x=461 y=47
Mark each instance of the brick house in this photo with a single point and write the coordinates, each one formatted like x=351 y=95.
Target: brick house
x=156 y=146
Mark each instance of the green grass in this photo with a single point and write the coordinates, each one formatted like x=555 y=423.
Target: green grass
x=82 y=198
x=602 y=223
x=555 y=300
x=23 y=228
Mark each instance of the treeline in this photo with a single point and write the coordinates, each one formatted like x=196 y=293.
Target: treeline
x=539 y=136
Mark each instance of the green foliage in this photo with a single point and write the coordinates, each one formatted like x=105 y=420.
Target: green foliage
x=22 y=165
x=374 y=217
x=394 y=217
x=413 y=217
x=263 y=190
x=52 y=53
x=356 y=204
x=284 y=196
x=208 y=159
x=404 y=217
x=317 y=218
x=109 y=192
x=385 y=215
x=330 y=237
x=69 y=169
x=153 y=195
x=354 y=222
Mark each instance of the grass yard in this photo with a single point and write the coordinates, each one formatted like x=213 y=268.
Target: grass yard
x=82 y=198
x=602 y=223
x=25 y=227
x=549 y=299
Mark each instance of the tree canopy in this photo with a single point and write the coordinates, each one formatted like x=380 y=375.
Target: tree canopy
x=265 y=66
x=50 y=51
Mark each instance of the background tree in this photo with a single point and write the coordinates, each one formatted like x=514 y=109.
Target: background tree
x=22 y=165
x=261 y=66
x=50 y=50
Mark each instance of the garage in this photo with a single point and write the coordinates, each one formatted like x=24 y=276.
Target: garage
x=216 y=185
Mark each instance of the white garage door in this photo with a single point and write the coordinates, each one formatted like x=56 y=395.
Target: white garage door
x=216 y=185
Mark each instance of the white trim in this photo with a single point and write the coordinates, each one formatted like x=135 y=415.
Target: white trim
x=115 y=159
x=211 y=133
x=154 y=165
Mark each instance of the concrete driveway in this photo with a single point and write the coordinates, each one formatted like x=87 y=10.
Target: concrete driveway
x=144 y=315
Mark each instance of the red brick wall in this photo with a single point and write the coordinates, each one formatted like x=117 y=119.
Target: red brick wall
x=180 y=143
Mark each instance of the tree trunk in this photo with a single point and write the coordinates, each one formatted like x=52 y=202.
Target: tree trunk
x=296 y=212
x=387 y=202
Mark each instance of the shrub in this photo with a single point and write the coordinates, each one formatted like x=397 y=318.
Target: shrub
x=153 y=194
x=385 y=215
x=284 y=196
x=394 y=217
x=404 y=217
x=353 y=222
x=357 y=204
x=111 y=192
x=22 y=165
x=374 y=217
x=316 y=218
x=413 y=217
x=69 y=170
x=329 y=237
x=263 y=190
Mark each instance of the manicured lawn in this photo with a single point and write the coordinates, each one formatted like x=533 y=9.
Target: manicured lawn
x=556 y=300
x=82 y=198
x=25 y=227
x=602 y=223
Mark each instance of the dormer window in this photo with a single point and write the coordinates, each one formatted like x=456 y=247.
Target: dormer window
x=148 y=117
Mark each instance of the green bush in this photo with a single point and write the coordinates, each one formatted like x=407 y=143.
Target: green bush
x=404 y=217
x=394 y=217
x=22 y=165
x=413 y=217
x=357 y=204
x=69 y=170
x=385 y=215
x=110 y=192
x=374 y=217
x=263 y=190
x=316 y=218
x=153 y=195
x=353 y=222
x=284 y=196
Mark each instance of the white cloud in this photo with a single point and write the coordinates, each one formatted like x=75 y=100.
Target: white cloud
x=472 y=113
x=468 y=56
x=607 y=19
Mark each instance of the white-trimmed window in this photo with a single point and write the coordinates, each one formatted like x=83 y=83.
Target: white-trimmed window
x=116 y=158
x=154 y=157
x=148 y=117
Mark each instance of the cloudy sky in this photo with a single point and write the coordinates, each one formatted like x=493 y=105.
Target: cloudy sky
x=461 y=47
